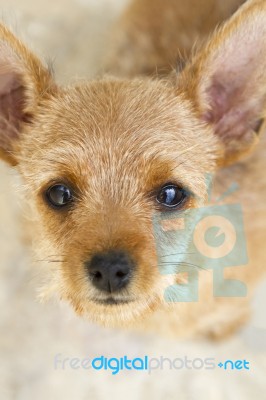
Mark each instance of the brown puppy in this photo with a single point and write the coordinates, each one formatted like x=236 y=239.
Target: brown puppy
x=101 y=160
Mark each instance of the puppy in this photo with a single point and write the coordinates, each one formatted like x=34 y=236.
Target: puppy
x=101 y=161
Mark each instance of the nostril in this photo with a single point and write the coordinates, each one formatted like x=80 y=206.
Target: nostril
x=97 y=275
x=121 y=274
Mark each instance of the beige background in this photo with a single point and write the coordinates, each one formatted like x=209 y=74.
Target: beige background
x=74 y=34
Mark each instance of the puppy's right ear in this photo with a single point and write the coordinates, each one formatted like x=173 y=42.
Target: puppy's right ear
x=24 y=83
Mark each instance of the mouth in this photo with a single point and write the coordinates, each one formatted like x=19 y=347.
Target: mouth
x=112 y=301
x=118 y=311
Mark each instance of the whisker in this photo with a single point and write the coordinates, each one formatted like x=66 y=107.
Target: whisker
x=50 y=261
x=55 y=255
x=188 y=149
x=180 y=263
x=182 y=153
x=175 y=254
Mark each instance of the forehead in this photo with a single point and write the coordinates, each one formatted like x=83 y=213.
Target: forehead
x=112 y=127
x=127 y=113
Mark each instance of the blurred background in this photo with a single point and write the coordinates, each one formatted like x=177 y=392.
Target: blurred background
x=74 y=35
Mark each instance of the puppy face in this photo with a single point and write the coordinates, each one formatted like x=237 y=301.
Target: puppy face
x=98 y=161
x=111 y=148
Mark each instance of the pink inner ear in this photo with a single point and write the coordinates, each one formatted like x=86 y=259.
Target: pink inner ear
x=217 y=97
x=233 y=111
x=8 y=82
x=12 y=94
x=233 y=87
x=11 y=107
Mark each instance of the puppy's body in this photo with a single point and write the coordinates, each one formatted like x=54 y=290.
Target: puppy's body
x=96 y=158
x=158 y=36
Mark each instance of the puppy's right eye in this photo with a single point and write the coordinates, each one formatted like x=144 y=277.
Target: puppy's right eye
x=59 y=195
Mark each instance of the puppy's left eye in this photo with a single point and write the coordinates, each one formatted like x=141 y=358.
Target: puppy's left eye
x=171 y=196
x=59 y=195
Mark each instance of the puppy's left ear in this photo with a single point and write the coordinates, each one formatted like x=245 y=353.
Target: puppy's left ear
x=226 y=81
x=24 y=84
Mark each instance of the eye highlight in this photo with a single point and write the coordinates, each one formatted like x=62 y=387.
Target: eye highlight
x=171 y=196
x=59 y=195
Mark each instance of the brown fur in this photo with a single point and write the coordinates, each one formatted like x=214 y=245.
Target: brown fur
x=156 y=35
x=117 y=141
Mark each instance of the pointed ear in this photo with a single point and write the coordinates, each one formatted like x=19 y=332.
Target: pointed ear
x=24 y=82
x=226 y=81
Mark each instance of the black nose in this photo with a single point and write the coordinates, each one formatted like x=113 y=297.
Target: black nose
x=110 y=271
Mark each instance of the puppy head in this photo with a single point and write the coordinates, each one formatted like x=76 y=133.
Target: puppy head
x=100 y=160
x=96 y=163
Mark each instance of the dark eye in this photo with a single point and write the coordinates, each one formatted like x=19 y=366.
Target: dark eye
x=59 y=195
x=171 y=196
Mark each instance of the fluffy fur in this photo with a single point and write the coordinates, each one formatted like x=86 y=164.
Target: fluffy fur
x=116 y=141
